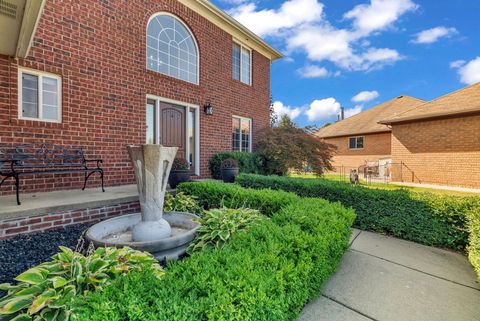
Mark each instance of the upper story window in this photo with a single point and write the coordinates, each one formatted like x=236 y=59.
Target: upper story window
x=241 y=134
x=355 y=142
x=242 y=63
x=39 y=96
x=171 y=48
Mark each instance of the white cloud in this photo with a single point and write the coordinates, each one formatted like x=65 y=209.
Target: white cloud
x=335 y=45
x=469 y=72
x=322 y=109
x=302 y=26
x=432 y=35
x=313 y=71
x=280 y=110
x=353 y=111
x=365 y=96
x=266 y=22
x=457 y=64
x=378 y=15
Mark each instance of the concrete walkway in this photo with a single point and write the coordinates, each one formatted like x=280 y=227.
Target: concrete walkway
x=387 y=279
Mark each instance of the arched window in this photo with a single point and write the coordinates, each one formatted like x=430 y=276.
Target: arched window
x=171 y=48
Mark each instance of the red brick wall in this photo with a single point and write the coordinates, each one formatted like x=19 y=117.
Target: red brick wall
x=98 y=48
x=40 y=223
x=439 y=152
x=376 y=146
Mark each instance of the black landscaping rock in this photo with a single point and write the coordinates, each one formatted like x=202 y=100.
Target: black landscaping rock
x=25 y=251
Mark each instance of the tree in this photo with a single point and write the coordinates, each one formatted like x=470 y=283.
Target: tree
x=286 y=121
x=273 y=114
x=287 y=147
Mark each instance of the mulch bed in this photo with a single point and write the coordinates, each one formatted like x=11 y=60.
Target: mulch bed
x=25 y=251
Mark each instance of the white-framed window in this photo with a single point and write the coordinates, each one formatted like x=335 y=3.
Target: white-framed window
x=39 y=96
x=356 y=142
x=242 y=63
x=241 y=134
x=171 y=48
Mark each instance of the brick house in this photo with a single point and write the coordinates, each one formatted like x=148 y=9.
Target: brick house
x=439 y=141
x=106 y=74
x=360 y=139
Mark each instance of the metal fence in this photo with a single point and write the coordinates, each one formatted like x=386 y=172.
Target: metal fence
x=373 y=172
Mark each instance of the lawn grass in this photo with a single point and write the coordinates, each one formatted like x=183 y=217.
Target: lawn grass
x=385 y=186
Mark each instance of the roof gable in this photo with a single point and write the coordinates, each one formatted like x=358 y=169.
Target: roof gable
x=367 y=122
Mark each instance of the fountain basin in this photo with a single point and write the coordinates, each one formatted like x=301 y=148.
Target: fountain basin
x=117 y=232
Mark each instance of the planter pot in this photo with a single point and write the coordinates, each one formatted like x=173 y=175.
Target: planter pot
x=177 y=177
x=229 y=174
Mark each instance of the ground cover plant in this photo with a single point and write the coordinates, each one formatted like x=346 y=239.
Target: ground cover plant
x=218 y=225
x=266 y=272
x=180 y=202
x=45 y=292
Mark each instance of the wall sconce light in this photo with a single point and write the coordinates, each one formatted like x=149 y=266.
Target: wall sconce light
x=208 y=109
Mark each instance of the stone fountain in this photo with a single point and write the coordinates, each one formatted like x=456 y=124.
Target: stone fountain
x=165 y=235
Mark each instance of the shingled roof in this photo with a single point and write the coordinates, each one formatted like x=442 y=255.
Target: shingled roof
x=367 y=122
x=460 y=102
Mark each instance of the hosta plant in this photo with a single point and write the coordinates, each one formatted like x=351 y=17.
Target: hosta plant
x=45 y=292
x=220 y=224
x=181 y=202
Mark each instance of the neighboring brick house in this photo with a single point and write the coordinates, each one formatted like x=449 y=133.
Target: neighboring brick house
x=360 y=139
x=439 y=141
x=106 y=74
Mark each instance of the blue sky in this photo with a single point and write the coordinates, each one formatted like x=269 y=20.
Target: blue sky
x=358 y=53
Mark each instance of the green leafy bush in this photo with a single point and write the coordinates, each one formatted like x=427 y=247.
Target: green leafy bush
x=220 y=224
x=216 y=195
x=474 y=239
x=267 y=273
x=181 y=203
x=420 y=217
x=46 y=291
x=247 y=163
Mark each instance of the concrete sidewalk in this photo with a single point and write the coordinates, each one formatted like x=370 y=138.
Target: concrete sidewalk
x=387 y=279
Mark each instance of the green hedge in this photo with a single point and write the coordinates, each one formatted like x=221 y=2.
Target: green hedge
x=267 y=273
x=474 y=240
x=210 y=194
x=420 y=217
x=248 y=163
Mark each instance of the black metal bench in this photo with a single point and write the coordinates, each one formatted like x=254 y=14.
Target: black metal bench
x=44 y=158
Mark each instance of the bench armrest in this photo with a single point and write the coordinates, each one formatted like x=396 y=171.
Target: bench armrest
x=93 y=160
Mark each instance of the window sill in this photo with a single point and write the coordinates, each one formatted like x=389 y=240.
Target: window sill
x=37 y=123
x=242 y=83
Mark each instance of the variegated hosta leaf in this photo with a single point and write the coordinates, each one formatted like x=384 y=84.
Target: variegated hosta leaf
x=58 y=282
x=22 y=317
x=33 y=276
x=16 y=304
x=42 y=300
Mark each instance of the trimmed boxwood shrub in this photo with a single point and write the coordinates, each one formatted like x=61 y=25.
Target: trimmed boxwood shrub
x=420 y=217
x=267 y=273
x=474 y=240
x=210 y=194
x=247 y=163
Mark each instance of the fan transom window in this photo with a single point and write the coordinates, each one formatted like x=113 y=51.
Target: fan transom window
x=171 y=48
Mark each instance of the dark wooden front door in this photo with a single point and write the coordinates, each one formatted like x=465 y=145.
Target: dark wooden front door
x=172 y=127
